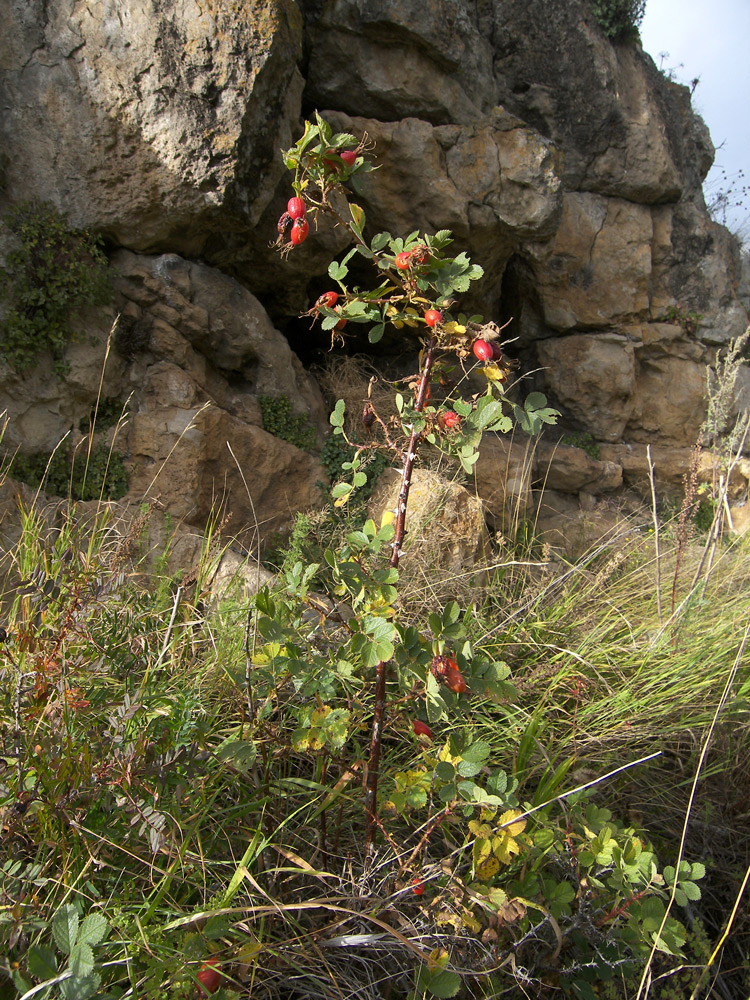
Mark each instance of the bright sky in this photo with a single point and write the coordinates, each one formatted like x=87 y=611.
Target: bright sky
x=709 y=41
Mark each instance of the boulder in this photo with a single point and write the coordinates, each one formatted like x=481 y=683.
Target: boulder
x=397 y=59
x=593 y=377
x=188 y=358
x=445 y=525
x=158 y=126
x=596 y=271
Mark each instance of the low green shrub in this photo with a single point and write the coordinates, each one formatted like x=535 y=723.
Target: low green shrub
x=51 y=274
x=103 y=475
x=619 y=19
x=279 y=420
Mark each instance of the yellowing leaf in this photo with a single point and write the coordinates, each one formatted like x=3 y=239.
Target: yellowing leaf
x=447 y=919
x=453 y=328
x=504 y=845
x=505 y=820
x=445 y=754
x=493 y=372
x=387 y=518
x=480 y=829
x=358 y=215
x=470 y=921
x=488 y=868
x=481 y=850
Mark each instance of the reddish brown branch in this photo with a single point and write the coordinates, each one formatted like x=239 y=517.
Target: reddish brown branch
x=376 y=740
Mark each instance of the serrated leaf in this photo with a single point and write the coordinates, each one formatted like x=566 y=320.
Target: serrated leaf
x=488 y=414
x=41 y=962
x=93 y=929
x=477 y=753
x=379 y=628
x=442 y=236
x=691 y=890
x=376 y=333
x=81 y=987
x=451 y=613
x=65 y=928
x=535 y=400
x=697 y=870
x=336 y=271
x=380 y=241
x=468 y=768
x=241 y=753
x=439 y=984
x=81 y=961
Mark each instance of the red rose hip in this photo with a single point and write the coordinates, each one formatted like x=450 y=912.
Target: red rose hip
x=297 y=208
x=209 y=976
x=432 y=317
x=421 y=729
x=300 y=229
x=349 y=156
x=417 y=886
x=451 y=419
x=328 y=299
x=482 y=350
x=403 y=260
x=455 y=680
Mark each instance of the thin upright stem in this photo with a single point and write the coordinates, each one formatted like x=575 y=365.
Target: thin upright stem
x=376 y=740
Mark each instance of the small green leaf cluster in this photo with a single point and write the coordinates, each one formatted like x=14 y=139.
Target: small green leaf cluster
x=50 y=275
x=583 y=883
x=75 y=978
x=102 y=474
x=619 y=19
x=316 y=158
x=583 y=440
x=279 y=420
x=107 y=413
x=433 y=277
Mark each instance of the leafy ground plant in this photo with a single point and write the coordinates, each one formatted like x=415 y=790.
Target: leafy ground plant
x=51 y=273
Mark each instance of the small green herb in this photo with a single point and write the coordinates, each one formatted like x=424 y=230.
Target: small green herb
x=50 y=275
x=619 y=19
x=279 y=420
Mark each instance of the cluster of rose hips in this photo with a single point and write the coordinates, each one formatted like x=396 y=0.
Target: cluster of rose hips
x=296 y=213
x=411 y=258
x=296 y=209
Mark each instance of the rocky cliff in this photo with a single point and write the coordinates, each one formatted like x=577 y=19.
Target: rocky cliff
x=566 y=165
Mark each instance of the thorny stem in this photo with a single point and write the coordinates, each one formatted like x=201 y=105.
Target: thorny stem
x=410 y=454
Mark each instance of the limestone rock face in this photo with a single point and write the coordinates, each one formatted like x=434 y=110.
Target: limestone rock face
x=594 y=377
x=598 y=268
x=154 y=125
x=191 y=352
x=495 y=182
x=446 y=529
x=569 y=168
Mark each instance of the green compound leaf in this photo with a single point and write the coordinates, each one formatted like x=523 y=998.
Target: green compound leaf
x=65 y=928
